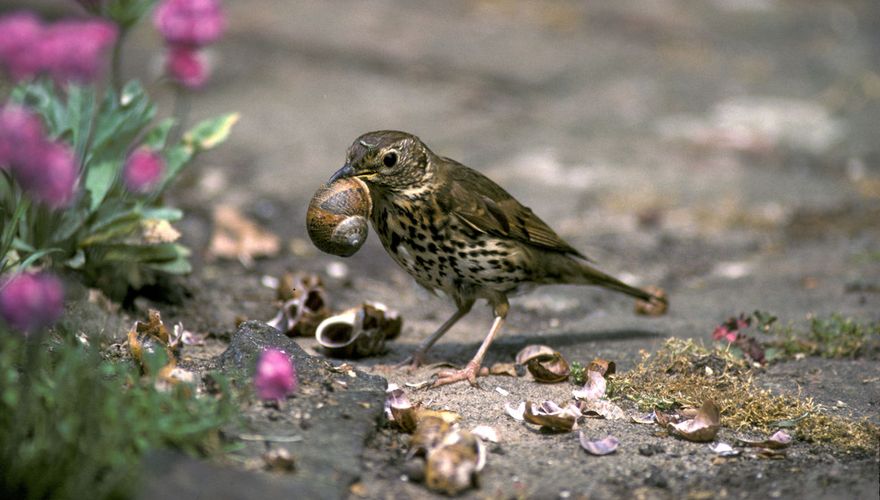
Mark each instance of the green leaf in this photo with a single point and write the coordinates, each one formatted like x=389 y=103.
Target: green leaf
x=99 y=179
x=159 y=134
x=120 y=121
x=128 y=12
x=112 y=226
x=163 y=252
x=211 y=132
x=41 y=97
x=34 y=257
x=164 y=213
x=177 y=266
x=79 y=114
x=71 y=221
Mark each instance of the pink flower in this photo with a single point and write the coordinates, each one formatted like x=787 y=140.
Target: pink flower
x=48 y=173
x=275 y=377
x=187 y=66
x=21 y=131
x=66 y=50
x=75 y=50
x=143 y=170
x=722 y=332
x=19 y=33
x=730 y=329
x=190 y=22
x=31 y=302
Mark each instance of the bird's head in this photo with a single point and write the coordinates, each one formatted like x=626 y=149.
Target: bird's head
x=394 y=160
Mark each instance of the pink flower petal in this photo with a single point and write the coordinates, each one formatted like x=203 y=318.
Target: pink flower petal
x=275 y=377
x=31 y=302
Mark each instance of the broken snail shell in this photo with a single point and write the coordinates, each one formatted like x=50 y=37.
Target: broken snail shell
x=359 y=332
x=338 y=216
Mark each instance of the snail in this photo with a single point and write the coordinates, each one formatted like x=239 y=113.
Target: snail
x=338 y=216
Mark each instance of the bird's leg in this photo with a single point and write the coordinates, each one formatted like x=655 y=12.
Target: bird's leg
x=472 y=369
x=418 y=357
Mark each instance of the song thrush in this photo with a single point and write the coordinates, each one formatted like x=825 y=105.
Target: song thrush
x=458 y=232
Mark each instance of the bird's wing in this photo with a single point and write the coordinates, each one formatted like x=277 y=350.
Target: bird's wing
x=488 y=208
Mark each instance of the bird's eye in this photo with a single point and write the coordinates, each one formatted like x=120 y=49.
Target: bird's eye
x=390 y=159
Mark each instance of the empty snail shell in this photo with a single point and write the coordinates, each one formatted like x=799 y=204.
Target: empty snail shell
x=337 y=217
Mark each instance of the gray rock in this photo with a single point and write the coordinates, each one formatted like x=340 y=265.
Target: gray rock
x=323 y=426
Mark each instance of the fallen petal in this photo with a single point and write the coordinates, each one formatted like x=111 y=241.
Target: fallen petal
x=600 y=447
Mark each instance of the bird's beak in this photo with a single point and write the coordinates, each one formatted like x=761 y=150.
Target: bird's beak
x=346 y=171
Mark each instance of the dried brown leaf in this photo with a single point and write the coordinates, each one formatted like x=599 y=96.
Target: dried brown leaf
x=237 y=237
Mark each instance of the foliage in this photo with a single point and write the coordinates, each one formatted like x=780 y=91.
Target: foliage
x=578 y=373
x=105 y=234
x=75 y=426
x=834 y=336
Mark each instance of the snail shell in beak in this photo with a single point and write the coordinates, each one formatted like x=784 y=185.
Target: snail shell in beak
x=337 y=219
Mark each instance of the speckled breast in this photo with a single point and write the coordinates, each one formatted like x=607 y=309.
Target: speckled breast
x=441 y=252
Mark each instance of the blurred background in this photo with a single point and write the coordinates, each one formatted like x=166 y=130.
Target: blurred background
x=679 y=140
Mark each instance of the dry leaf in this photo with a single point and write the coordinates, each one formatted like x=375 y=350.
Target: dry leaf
x=156 y=231
x=147 y=339
x=237 y=237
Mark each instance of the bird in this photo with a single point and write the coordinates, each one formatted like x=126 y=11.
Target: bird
x=456 y=231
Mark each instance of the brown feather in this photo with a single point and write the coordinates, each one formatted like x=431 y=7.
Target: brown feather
x=488 y=208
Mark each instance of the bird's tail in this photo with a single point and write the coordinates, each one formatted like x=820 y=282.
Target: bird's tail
x=570 y=271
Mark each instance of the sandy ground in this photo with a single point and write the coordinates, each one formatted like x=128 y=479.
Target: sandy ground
x=724 y=150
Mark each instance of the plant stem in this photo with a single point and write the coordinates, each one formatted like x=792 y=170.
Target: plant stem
x=116 y=62
x=181 y=112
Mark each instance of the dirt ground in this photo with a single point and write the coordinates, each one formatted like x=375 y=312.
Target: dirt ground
x=724 y=150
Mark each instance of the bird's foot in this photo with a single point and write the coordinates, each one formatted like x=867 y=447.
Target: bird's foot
x=469 y=373
x=413 y=362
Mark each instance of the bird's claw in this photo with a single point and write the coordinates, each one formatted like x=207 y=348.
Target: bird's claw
x=469 y=373
x=413 y=362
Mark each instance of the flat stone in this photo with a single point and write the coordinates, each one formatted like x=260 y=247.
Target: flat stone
x=323 y=426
